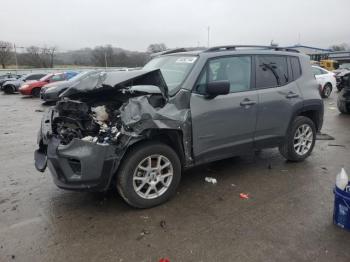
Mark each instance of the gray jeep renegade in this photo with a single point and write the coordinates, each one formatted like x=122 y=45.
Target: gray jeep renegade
x=138 y=130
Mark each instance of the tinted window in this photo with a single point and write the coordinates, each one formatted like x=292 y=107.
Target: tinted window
x=34 y=77
x=236 y=70
x=295 y=67
x=271 y=71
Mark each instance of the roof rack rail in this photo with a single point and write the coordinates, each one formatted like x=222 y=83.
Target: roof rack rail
x=234 y=47
x=169 y=51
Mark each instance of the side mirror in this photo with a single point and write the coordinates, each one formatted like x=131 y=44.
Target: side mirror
x=218 y=88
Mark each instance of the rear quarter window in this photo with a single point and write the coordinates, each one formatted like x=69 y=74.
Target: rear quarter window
x=296 y=68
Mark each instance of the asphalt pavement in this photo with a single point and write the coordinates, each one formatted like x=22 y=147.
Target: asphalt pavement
x=287 y=217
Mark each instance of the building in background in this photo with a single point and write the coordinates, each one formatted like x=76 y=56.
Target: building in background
x=318 y=54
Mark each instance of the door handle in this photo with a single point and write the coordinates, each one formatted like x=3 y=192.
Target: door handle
x=292 y=95
x=247 y=102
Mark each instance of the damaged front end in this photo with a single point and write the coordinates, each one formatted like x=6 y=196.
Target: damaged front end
x=84 y=137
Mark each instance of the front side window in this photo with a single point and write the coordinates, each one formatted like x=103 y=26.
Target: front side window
x=271 y=71
x=236 y=70
x=174 y=68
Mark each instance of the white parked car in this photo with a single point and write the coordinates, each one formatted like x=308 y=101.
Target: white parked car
x=325 y=79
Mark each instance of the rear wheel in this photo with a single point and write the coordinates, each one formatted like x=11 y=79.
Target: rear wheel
x=149 y=175
x=300 y=139
x=36 y=92
x=327 y=90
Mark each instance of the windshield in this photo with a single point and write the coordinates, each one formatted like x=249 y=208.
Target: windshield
x=82 y=75
x=174 y=68
x=345 y=66
x=45 y=77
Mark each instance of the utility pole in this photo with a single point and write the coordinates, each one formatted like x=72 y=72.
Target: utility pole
x=14 y=47
x=208 y=35
x=106 y=60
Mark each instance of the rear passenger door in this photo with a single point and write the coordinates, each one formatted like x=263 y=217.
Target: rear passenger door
x=279 y=96
x=224 y=126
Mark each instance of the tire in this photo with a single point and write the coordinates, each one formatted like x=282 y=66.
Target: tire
x=133 y=165
x=342 y=105
x=36 y=92
x=327 y=90
x=288 y=149
x=9 y=89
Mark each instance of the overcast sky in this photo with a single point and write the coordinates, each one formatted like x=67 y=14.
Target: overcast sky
x=134 y=24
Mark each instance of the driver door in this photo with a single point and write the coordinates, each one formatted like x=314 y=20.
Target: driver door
x=224 y=126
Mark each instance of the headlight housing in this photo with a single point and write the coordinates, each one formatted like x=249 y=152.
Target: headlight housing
x=51 y=88
x=24 y=86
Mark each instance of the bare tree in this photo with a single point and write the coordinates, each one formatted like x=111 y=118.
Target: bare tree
x=52 y=51
x=39 y=57
x=102 y=55
x=155 y=48
x=33 y=56
x=5 y=53
x=340 y=47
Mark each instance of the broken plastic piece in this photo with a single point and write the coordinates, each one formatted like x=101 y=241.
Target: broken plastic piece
x=211 y=180
x=244 y=196
x=342 y=179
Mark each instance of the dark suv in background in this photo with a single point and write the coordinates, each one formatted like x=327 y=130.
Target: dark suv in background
x=138 y=130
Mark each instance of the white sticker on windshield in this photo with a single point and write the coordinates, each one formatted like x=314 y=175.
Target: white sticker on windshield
x=186 y=60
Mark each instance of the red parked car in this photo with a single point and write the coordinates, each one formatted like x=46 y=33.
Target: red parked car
x=33 y=89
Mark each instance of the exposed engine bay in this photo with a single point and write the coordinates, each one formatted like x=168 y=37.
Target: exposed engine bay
x=101 y=124
x=86 y=134
x=91 y=111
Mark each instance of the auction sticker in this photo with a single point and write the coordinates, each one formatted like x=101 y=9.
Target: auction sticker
x=186 y=60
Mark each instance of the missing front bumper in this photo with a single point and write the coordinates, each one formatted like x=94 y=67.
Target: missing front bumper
x=79 y=165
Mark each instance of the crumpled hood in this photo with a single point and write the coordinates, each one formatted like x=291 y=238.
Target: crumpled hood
x=109 y=81
x=58 y=84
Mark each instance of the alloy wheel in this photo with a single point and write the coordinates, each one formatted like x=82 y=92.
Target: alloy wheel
x=303 y=139
x=153 y=176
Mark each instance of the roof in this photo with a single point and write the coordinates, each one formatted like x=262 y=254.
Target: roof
x=228 y=49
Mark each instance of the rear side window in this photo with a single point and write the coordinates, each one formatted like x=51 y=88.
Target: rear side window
x=34 y=77
x=271 y=71
x=324 y=72
x=317 y=71
x=296 y=68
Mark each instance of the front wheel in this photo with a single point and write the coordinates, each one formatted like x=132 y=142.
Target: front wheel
x=36 y=92
x=300 y=139
x=327 y=90
x=343 y=105
x=149 y=175
x=9 y=89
